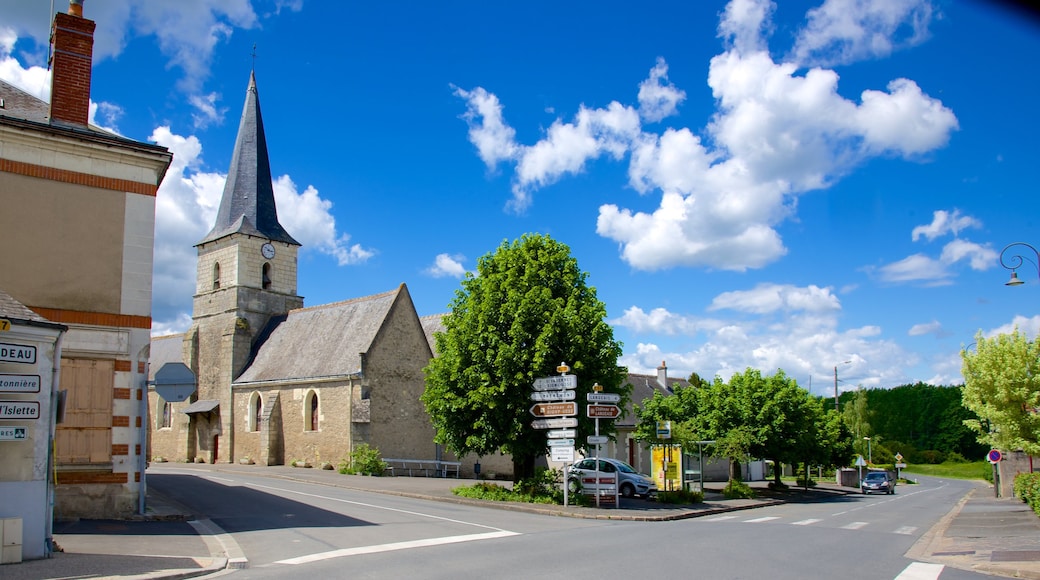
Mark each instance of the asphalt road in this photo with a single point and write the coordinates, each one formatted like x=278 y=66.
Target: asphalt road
x=289 y=529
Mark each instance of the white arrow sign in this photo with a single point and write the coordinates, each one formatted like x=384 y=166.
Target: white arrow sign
x=597 y=439
x=561 y=443
x=603 y=398
x=556 y=383
x=554 y=423
x=552 y=395
x=562 y=433
x=563 y=454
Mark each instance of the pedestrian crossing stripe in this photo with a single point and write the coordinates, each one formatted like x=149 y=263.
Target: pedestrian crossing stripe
x=807 y=522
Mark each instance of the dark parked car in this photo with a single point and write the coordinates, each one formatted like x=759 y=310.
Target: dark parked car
x=878 y=482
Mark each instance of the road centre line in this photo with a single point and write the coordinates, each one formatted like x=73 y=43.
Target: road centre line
x=379 y=507
x=395 y=546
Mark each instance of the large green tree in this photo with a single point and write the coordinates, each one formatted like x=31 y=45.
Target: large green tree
x=1002 y=387
x=527 y=309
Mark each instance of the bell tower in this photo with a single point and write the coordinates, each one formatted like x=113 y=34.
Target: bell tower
x=246 y=274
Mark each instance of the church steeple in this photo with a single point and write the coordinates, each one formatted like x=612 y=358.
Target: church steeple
x=247 y=205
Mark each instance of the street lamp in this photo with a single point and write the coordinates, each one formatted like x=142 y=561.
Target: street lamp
x=869 y=458
x=836 y=383
x=1014 y=262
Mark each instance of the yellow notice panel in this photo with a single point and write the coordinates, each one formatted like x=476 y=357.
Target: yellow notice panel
x=667 y=466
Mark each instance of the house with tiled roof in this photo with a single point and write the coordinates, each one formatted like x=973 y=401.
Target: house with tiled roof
x=79 y=220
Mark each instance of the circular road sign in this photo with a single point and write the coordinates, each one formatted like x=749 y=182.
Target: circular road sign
x=994 y=456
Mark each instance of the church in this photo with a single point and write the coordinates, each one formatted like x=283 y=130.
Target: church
x=279 y=383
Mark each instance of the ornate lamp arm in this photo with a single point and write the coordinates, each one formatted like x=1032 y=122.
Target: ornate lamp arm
x=1014 y=262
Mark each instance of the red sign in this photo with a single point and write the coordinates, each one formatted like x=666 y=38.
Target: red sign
x=603 y=411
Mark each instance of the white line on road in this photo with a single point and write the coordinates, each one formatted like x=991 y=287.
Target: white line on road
x=920 y=571
x=378 y=507
x=760 y=520
x=906 y=530
x=807 y=522
x=854 y=525
x=395 y=546
x=719 y=518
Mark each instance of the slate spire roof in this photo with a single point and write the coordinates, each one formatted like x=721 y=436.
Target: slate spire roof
x=247 y=205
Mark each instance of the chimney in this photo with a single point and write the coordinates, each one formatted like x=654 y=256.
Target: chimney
x=662 y=375
x=72 y=51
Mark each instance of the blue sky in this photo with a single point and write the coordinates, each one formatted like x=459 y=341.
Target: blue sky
x=776 y=185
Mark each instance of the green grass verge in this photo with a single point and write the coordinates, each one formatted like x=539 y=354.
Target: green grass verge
x=973 y=470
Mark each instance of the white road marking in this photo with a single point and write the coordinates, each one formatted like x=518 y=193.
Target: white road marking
x=760 y=520
x=395 y=546
x=807 y=522
x=719 y=518
x=906 y=530
x=920 y=571
x=854 y=525
x=378 y=507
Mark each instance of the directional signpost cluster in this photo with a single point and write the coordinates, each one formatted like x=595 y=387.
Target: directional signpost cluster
x=555 y=409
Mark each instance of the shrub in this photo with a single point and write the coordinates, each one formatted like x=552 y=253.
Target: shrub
x=364 y=460
x=1027 y=487
x=738 y=490
x=682 y=496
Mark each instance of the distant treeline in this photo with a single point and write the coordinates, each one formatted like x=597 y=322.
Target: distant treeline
x=925 y=423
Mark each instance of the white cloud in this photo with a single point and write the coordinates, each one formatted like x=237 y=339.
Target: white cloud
x=567 y=146
x=495 y=141
x=659 y=98
x=916 y=267
x=661 y=321
x=944 y=222
x=186 y=206
x=772 y=326
x=845 y=31
x=979 y=257
x=934 y=327
x=775 y=136
x=446 y=265
x=938 y=271
x=766 y=298
x=207 y=111
x=187 y=34
x=1030 y=326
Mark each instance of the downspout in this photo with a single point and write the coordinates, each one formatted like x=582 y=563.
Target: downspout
x=52 y=467
x=142 y=436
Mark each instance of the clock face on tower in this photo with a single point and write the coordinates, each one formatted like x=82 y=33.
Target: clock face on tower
x=267 y=250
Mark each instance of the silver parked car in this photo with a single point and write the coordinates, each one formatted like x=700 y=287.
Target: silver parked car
x=630 y=482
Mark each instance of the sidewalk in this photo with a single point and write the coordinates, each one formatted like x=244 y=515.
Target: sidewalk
x=983 y=534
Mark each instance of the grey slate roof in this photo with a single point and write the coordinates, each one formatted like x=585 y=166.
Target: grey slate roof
x=21 y=105
x=431 y=324
x=321 y=341
x=16 y=312
x=247 y=205
x=164 y=349
x=643 y=388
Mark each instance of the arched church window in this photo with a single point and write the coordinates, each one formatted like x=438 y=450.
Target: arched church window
x=167 y=415
x=267 y=277
x=216 y=275
x=311 y=412
x=256 y=412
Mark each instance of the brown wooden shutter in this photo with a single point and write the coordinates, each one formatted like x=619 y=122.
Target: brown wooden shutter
x=85 y=437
